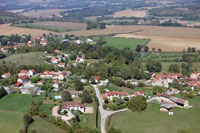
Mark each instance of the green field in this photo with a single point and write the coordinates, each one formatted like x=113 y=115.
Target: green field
x=154 y=121
x=11 y=121
x=43 y=126
x=32 y=58
x=12 y=109
x=17 y=102
x=42 y=27
x=121 y=43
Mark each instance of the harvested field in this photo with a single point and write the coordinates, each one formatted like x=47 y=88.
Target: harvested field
x=180 y=32
x=67 y=25
x=175 y=44
x=130 y=13
x=43 y=13
x=16 y=11
x=6 y=29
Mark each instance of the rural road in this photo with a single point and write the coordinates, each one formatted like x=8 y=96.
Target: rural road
x=104 y=113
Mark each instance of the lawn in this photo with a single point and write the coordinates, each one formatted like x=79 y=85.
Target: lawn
x=43 y=126
x=32 y=58
x=121 y=43
x=17 y=102
x=11 y=121
x=154 y=121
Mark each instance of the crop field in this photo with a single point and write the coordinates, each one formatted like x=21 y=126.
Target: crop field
x=32 y=58
x=121 y=43
x=67 y=25
x=130 y=13
x=48 y=13
x=154 y=121
x=7 y=30
x=166 y=43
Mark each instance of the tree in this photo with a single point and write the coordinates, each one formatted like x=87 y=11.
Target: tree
x=66 y=96
x=153 y=49
x=117 y=81
x=139 y=48
x=183 y=131
x=72 y=57
x=86 y=97
x=174 y=68
x=137 y=103
x=78 y=85
x=193 y=49
x=146 y=48
x=27 y=120
x=159 y=50
x=153 y=66
x=113 y=130
x=157 y=89
x=189 y=49
x=2 y=92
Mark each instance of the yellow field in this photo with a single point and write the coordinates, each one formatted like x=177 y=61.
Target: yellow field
x=167 y=44
x=6 y=29
x=130 y=13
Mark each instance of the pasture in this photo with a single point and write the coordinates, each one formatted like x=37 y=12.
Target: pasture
x=154 y=121
x=32 y=58
x=121 y=43
x=130 y=13
x=43 y=126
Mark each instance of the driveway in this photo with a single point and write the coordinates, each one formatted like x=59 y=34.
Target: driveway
x=63 y=117
x=104 y=113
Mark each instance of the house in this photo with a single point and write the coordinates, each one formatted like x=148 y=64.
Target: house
x=79 y=60
x=73 y=105
x=9 y=90
x=89 y=40
x=139 y=93
x=31 y=90
x=61 y=65
x=23 y=79
x=96 y=79
x=40 y=83
x=57 y=51
x=6 y=75
x=32 y=72
x=73 y=93
x=54 y=60
x=23 y=72
x=43 y=43
x=58 y=77
x=112 y=94
x=57 y=85
x=18 y=84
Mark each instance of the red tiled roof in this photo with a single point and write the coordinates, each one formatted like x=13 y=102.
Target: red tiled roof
x=17 y=84
x=96 y=77
x=7 y=74
x=24 y=77
x=53 y=59
x=103 y=96
x=69 y=104
x=24 y=71
x=123 y=93
x=112 y=93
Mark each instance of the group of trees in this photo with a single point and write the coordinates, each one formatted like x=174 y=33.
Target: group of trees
x=93 y=25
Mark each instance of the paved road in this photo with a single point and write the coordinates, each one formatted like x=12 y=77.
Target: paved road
x=104 y=113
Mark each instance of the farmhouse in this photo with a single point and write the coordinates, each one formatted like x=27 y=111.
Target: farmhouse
x=72 y=105
x=18 y=84
x=117 y=94
x=79 y=60
x=165 y=107
x=96 y=79
x=163 y=98
x=6 y=75
x=54 y=60
x=43 y=43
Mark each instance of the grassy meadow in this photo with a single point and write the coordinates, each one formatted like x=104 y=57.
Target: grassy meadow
x=154 y=121
x=32 y=58
x=121 y=43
